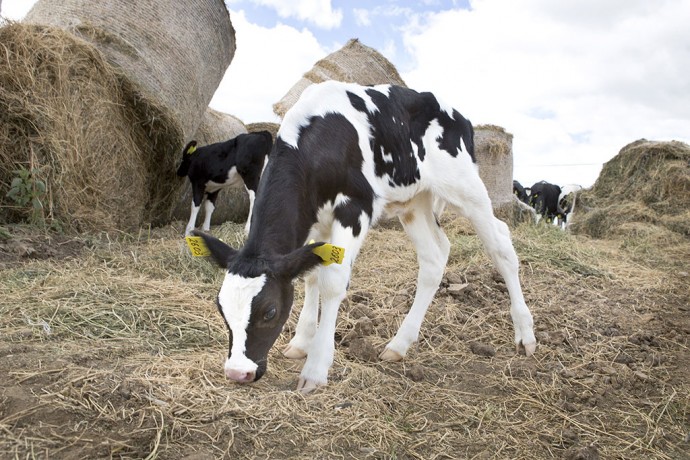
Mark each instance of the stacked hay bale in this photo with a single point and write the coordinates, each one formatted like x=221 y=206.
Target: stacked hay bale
x=176 y=53
x=643 y=191
x=101 y=96
x=232 y=204
x=264 y=126
x=353 y=63
x=493 y=149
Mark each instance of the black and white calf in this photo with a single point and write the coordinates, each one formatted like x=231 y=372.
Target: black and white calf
x=346 y=154
x=521 y=192
x=544 y=198
x=224 y=164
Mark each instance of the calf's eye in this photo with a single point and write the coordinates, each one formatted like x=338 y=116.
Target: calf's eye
x=270 y=314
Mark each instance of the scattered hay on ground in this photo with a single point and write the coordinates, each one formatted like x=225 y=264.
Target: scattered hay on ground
x=118 y=351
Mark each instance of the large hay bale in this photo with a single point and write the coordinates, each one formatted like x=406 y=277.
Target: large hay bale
x=100 y=109
x=175 y=53
x=233 y=203
x=493 y=149
x=264 y=126
x=647 y=183
x=353 y=63
x=82 y=129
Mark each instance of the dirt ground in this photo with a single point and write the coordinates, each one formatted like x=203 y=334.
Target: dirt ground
x=111 y=347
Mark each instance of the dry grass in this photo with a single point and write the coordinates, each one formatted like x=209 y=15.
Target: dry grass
x=118 y=350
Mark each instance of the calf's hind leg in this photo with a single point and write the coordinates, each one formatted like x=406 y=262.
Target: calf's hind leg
x=495 y=236
x=432 y=247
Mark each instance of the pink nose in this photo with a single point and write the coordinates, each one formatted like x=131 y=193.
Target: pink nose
x=239 y=376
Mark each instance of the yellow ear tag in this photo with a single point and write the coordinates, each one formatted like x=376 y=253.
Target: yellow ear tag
x=329 y=254
x=191 y=150
x=197 y=246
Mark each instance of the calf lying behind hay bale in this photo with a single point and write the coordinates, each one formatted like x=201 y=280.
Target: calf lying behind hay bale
x=83 y=130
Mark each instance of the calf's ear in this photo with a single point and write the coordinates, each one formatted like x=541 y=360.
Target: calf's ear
x=190 y=148
x=297 y=262
x=221 y=253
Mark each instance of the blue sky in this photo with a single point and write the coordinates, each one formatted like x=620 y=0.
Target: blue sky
x=573 y=80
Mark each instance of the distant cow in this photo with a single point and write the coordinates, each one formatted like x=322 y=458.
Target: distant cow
x=345 y=155
x=544 y=199
x=220 y=165
x=520 y=192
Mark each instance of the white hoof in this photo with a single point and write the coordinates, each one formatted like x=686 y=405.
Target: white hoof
x=292 y=352
x=389 y=355
x=529 y=348
x=305 y=386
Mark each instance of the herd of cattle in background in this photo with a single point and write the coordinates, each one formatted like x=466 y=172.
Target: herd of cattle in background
x=550 y=201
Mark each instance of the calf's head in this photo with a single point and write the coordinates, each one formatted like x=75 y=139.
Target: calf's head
x=255 y=300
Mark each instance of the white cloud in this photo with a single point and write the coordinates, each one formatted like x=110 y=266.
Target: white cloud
x=318 y=12
x=574 y=81
x=362 y=17
x=267 y=63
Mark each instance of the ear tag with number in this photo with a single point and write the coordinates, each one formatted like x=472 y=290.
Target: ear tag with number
x=197 y=246
x=191 y=150
x=329 y=254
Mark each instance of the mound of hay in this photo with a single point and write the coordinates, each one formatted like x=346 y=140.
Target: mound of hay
x=233 y=203
x=353 y=63
x=84 y=131
x=176 y=53
x=644 y=190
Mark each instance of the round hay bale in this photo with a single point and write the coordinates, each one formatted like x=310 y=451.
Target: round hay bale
x=81 y=129
x=264 y=126
x=648 y=182
x=175 y=53
x=493 y=149
x=233 y=203
x=353 y=63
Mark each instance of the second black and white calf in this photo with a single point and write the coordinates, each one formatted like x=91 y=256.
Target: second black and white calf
x=224 y=164
x=345 y=155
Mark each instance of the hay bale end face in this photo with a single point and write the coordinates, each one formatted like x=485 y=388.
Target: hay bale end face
x=647 y=183
x=264 y=126
x=493 y=150
x=353 y=63
x=232 y=203
x=101 y=100
x=82 y=129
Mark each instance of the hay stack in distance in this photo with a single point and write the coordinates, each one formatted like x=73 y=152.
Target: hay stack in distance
x=493 y=149
x=233 y=203
x=264 y=126
x=353 y=63
x=643 y=191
